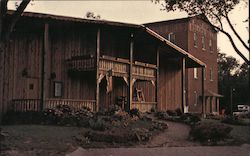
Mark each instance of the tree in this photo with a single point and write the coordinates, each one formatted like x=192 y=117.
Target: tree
x=91 y=15
x=232 y=75
x=7 y=28
x=213 y=12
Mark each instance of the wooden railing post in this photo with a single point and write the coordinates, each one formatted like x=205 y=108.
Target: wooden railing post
x=98 y=41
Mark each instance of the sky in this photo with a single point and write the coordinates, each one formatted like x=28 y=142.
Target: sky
x=137 y=12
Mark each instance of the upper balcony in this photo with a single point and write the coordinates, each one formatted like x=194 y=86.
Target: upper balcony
x=118 y=66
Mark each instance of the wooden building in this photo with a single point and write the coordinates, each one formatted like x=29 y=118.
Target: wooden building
x=53 y=60
x=199 y=39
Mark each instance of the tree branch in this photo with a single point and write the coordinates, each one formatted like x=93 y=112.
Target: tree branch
x=231 y=41
x=16 y=15
x=3 y=10
x=236 y=34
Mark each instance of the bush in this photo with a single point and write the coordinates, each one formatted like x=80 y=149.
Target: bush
x=189 y=119
x=97 y=124
x=135 y=112
x=234 y=120
x=210 y=132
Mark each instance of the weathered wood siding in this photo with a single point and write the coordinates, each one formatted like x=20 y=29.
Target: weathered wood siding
x=22 y=67
x=170 y=85
x=65 y=45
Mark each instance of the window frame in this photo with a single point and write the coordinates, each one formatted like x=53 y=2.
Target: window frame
x=195 y=40
x=56 y=93
x=195 y=73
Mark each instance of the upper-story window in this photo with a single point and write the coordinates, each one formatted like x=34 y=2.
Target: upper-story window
x=195 y=40
x=210 y=45
x=195 y=73
x=211 y=74
x=203 y=42
x=196 y=98
x=171 y=37
x=205 y=74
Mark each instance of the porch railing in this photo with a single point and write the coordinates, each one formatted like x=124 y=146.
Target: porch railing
x=119 y=67
x=24 y=105
x=143 y=106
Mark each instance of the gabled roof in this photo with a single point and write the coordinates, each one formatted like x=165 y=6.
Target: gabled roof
x=185 y=19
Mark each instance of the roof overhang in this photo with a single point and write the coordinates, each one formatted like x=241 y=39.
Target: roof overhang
x=191 y=61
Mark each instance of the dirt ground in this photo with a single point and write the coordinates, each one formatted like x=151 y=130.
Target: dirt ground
x=58 y=140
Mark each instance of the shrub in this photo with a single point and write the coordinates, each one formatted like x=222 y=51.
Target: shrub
x=97 y=124
x=171 y=113
x=210 y=132
x=234 y=120
x=190 y=119
x=135 y=112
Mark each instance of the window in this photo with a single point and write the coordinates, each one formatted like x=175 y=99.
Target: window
x=211 y=74
x=203 y=42
x=171 y=37
x=210 y=45
x=195 y=73
x=195 y=40
x=58 y=89
x=195 y=98
x=205 y=74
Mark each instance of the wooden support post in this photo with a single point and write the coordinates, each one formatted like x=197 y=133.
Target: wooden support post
x=157 y=78
x=130 y=86
x=98 y=41
x=44 y=66
x=183 y=84
x=203 y=92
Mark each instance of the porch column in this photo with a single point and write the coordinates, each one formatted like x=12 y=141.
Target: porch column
x=98 y=41
x=203 y=92
x=218 y=105
x=130 y=89
x=44 y=73
x=157 y=98
x=183 y=68
x=211 y=105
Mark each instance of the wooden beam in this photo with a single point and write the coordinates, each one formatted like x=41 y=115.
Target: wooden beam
x=157 y=87
x=98 y=44
x=44 y=65
x=203 y=92
x=130 y=86
x=183 y=84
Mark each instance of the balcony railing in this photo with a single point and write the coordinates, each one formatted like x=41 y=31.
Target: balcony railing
x=118 y=66
x=84 y=63
x=24 y=105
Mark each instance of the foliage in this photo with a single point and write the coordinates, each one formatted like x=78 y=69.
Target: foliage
x=234 y=120
x=232 y=75
x=91 y=15
x=210 y=132
x=213 y=12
